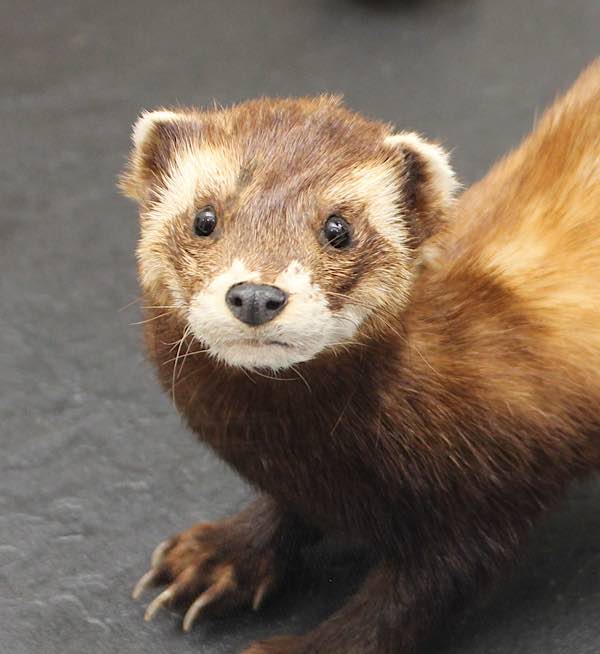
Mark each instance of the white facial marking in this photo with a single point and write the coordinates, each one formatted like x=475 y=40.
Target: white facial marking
x=304 y=328
x=376 y=185
x=191 y=169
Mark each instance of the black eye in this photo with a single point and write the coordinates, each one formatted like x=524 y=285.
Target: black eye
x=337 y=232
x=205 y=222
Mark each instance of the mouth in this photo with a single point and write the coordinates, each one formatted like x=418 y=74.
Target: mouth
x=255 y=353
x=255 y=342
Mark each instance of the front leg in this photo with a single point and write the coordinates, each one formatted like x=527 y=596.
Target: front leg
x=399 y=603
x=218 y=567
x=368 y=624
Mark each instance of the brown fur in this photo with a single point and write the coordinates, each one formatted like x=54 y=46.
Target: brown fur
x=441 y=433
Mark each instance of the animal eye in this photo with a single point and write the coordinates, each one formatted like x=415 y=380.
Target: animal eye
x=205 y=222
x=337 y=232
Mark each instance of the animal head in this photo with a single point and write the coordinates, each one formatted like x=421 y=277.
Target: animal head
x=280 y=229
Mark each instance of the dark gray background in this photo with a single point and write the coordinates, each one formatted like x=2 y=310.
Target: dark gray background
x=95 y=467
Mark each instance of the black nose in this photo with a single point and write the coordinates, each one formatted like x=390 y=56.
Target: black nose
x=255 y=304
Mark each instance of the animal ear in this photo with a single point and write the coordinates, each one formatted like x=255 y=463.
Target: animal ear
x=156 y=136
x=428 y=182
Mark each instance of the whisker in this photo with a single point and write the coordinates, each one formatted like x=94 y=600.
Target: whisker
x=248 y=375
x=302 y=377
x=337 y=422
x=163 y=306
x=187 y=354
x=129 y=304
x=348 y=344
x=353 y=300
x=363 y=304
x=379 y=309
x=260 y=374
x=352 y=322
x=185 y=333
x=143 y=322
x=379 y=316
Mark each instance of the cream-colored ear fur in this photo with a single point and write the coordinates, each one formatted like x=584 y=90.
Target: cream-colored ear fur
x=436 y=159
x=149 y=153
x=147 y=122
x=428 y=183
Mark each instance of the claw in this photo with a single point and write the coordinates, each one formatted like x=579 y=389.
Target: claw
x=192 y=613
x=144 y=583
x=208 y=596
x=157 y=603
x=159 y=552
x=259 y=596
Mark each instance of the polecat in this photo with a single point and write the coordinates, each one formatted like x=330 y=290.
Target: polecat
x=413 y=373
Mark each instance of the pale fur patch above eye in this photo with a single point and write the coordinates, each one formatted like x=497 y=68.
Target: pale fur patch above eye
x=375 y=185
x=193 y=171
x=211 y=172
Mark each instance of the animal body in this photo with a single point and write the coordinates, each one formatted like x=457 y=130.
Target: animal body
x=414 y=373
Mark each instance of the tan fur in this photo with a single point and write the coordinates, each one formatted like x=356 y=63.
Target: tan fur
x=541 y=238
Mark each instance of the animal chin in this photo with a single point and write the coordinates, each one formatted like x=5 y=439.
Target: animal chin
x=253 y=353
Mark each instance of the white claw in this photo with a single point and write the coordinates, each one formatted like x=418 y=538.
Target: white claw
x=259 y=596
x=159 y=552
x=144 y=582
x=208 y=596
x=157 y=603
x=192 y=613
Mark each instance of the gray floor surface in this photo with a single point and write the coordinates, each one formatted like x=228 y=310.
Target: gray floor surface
x=95 y=466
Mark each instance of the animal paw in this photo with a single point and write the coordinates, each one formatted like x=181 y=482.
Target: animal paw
x=210 y=569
